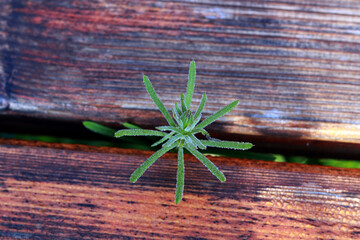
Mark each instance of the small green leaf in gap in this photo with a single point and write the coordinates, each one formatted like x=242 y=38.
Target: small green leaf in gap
x=131 y=126
x=100 y=129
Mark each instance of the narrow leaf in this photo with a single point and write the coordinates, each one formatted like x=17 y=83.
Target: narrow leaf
x=191 y=84
x=213 y=139
x=183 y=104
x=131 y=126
x=190 y=142
x=202 y=131
x=138 y=140
x=178 y=109
x=183 y=116
x=177 y=119
x=138 y=132
x=218 y=114
x=186 y=118
x=168 y=128
x=193 y=124
x=180 y=176
x=140 y=171
x=100 y=129
x=228 y=144
x=163 y=139
x=157 y=100
x=197 y=142
x=201 y=106
x=212 y=168
x=172 y=140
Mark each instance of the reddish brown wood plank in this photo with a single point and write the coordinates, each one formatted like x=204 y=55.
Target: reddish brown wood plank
x=294 y=65
x=64 y=191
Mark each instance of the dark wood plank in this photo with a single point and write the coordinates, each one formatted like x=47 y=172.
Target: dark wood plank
x=61 y=191
x=294 y=65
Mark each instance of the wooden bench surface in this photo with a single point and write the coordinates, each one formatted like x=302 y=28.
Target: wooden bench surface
x=63 y=191
x=294 y=65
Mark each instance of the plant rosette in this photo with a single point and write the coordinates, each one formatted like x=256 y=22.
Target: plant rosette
x=181 y=133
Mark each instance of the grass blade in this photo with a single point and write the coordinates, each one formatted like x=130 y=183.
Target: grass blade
x=140 y=171
x=100 y=129
x=212 y=168
x=191 y=84
x=180 y=176
x=201 y=106
x=138 y=132
x=228 y=144
x=218 y=114
x=157 y=100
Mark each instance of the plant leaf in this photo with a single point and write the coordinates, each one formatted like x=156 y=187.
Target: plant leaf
x=212 y=168
x=131 y=126
x=140 y=171
x=139 y=132
x=178 y=109
x=183 y=104
x=201 y=106
x=191 y=84
x=218 y=114
x=100 y=129
x=202 y=131
x=190 y=142
x=193 y=124
x=228 y=144
x=157 y=100
x=180 y=176
x=168 y=128
x=172 y=140
x=197 y=142
x=163 y=139
x=177 y=119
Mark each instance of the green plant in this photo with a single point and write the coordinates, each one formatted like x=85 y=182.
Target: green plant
x=181 y=133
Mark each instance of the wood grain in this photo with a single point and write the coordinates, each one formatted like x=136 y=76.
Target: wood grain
x=294 y=65
x=62 y=191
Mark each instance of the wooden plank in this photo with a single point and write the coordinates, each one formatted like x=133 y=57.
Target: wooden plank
x=62 y=191
x=294 y=65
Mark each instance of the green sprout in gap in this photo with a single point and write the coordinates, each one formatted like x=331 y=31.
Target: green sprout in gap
x=181 y=133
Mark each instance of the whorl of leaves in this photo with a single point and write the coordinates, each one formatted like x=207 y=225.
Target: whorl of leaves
x=181 y=133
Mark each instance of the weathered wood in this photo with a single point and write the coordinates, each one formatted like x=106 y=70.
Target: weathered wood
x=60 y=191
x=294 y=65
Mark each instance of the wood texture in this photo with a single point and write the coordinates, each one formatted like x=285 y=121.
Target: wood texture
x=294 y=65
x=59 y=191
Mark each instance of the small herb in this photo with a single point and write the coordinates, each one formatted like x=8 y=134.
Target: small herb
x=181 y=133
